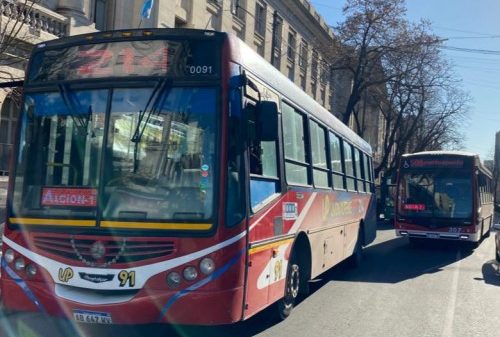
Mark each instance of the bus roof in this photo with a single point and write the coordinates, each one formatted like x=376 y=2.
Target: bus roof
x=246 y=56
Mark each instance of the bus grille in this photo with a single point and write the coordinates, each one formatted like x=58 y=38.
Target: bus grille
x=112 y=249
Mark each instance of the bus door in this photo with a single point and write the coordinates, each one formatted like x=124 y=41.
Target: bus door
x=264 y=188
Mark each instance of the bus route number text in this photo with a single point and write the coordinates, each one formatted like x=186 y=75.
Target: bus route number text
x=126 y=277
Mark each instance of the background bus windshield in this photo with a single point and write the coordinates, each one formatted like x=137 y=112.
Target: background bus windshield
x=440 y=193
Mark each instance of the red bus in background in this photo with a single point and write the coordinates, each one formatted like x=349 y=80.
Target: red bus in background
x=169 y=175
x=443 y=195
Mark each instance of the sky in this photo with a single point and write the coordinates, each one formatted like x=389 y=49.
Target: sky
x=471 y=24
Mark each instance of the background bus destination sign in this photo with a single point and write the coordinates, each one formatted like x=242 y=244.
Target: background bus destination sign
x=433 y=163
x=126 y=59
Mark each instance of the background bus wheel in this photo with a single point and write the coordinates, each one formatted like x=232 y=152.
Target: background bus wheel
x=292 y=283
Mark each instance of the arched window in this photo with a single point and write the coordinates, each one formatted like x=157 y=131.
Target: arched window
x=8 y=118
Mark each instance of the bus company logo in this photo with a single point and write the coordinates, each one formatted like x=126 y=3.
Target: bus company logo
x=290 y=211
x=333 y=208
x=97 y=250
x=65 y=274
x=96 y=278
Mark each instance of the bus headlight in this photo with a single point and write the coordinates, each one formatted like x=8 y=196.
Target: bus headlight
x=31 y=270
x=9 y=255
x=19 y=264
x=190 y=273
x=173 y=279
x=207 y=266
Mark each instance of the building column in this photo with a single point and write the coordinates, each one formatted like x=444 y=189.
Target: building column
x=75 y=11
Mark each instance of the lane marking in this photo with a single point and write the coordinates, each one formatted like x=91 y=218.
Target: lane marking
x=450 y=312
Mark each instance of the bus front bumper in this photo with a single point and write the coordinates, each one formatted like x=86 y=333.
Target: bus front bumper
x=474 y=237
x=145 y=307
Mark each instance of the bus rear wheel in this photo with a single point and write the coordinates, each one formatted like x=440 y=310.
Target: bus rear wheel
x=292 y=283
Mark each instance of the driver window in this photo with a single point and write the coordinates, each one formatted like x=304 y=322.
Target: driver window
x=264 y=179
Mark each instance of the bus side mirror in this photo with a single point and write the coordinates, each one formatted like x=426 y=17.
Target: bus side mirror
x=267 y=121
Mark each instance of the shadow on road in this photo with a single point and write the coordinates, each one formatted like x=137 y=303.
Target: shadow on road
x=396 y=261
x=491 y=273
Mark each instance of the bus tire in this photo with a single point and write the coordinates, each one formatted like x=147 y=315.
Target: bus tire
x=357 y=256
x=292 y=284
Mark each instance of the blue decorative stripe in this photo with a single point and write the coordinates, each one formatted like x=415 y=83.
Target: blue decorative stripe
x=19 y=281
x=215 y=275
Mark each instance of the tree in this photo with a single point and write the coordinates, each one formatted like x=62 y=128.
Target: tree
x=15 y=19
x=398 y=67
x=421 y=104
x=369 y=33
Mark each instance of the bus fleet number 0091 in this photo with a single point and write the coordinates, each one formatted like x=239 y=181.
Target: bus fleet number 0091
x=195 y=70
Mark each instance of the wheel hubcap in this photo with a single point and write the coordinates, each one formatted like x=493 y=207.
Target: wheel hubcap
x=293 y=284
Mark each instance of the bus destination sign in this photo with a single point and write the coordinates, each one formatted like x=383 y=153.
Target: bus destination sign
x=69 y=197
x=433 y=163
x=126 y=59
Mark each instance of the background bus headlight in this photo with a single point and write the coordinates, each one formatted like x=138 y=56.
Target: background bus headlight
x=31 y=270
x=190 y=273
x=19 y=264
x=9 y=255
x=173 y=279
x=207 y=266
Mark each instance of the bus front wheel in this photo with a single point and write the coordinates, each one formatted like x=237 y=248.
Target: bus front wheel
x=292 y=283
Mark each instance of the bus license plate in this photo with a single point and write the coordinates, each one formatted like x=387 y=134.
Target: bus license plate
x=433 y=236
x=93 y=317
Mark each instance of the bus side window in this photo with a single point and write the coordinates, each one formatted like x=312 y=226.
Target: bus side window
x=264 y=178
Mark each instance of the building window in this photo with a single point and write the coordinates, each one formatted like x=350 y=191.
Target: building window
x=260 y=19
x=259 y=47
x=314 y=65
x=303 y=55
x=313 y=89
x=100 y=15
x=292 y=42
x=325 y=73
x=276 y=41
x=238 y=9
x=303 y=81
x=291 y=72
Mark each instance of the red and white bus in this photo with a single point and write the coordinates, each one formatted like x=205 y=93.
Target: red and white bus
x=444 y=195
x=174 y=176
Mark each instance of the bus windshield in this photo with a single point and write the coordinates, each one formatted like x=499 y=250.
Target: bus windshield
x=442 y=194
x=138 y=160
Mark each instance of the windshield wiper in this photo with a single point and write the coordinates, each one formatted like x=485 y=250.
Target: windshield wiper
x=157 y=93
x=81 y=123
